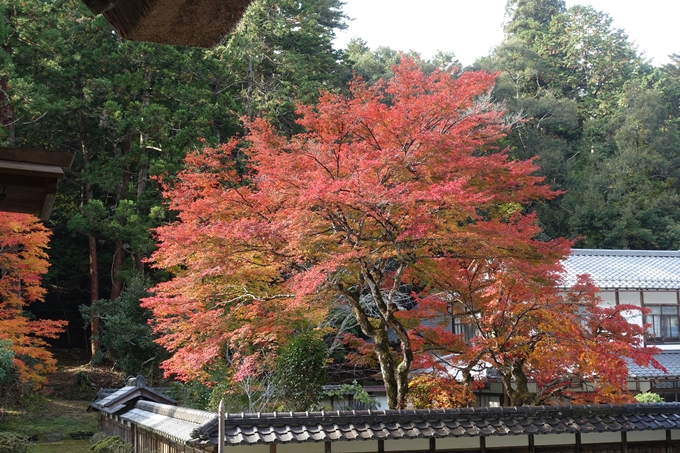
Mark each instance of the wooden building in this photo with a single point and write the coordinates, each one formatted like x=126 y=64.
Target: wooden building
x=28 y=179
x=199 y=23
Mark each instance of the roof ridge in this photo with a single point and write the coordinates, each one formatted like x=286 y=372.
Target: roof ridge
x=374 y=416
x=620 y=252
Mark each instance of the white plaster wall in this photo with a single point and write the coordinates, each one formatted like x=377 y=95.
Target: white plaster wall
x=407 y=445
x=608 y=298
x=629 y=297
x=336 y=447
x=249 y=449
x=641 y=436
x=507 y=441
x=457 y=442
x=660 y=297
x=381 y=402
x=595 y=438
x=556 y=439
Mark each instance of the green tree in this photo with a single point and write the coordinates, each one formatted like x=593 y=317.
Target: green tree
x=280 y=54
x=528 y=20
x=627 y=193
x=301 y=371
x=125 y=336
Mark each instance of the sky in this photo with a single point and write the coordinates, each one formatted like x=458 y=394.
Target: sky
x=471 y=28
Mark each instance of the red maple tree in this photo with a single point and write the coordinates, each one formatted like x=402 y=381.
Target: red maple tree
x=522 y=325
x=23 y=261
x=390 y=189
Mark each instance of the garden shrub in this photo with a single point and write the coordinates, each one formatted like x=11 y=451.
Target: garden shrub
x=649 y=397
x=101 y=443
x=13 y=443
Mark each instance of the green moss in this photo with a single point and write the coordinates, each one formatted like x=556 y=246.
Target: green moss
x=62 y=446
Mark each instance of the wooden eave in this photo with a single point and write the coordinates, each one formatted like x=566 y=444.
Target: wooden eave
x=198 y=23
x=28 y=179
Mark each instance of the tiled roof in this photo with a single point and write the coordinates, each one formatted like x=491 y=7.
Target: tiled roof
x=625 y=269
x=249 y=429
x=670 y=360
x=126 y=396
x=172 y=422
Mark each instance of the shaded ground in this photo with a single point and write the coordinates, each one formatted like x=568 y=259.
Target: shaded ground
x=57 y=420
x=75 y=379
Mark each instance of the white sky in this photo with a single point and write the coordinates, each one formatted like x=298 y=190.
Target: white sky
x=471 y=28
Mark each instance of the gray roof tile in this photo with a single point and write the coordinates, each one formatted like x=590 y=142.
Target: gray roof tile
x=364 y=425
x=625 y=269
x=668 y=359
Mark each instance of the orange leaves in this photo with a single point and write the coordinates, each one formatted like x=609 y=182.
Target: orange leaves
x=23 y=261
x=427 y=391
x=396 y=184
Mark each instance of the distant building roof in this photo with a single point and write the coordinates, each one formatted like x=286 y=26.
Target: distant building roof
x=124 y=398
x=670 y=360
x=625 y=269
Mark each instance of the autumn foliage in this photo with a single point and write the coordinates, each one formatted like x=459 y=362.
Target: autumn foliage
x=528 y=331
x=23 y=260
x=395 y=189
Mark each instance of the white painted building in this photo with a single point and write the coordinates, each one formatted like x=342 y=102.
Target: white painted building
x=643 y=278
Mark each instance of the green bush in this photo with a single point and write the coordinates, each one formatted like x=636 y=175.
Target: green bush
x=301 y=371
x=125 y=334
x=6 y=359
x=101 y=443
x=13 y=443
x=649 y=397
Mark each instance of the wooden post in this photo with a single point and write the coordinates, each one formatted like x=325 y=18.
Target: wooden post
x=532 y=448
x=577 y=447
x=220 y=428
x=327 y=447
x=433 y=445
x=482 y=444
x=272 y=448
x=381 y=446
x=669 y=444
x=624 y=442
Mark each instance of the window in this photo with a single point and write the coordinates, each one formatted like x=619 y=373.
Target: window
x=668 y=389
x=663 y=323
x=467 y=329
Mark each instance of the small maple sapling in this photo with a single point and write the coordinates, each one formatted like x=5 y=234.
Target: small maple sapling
x=385 y=187
x=23 y=260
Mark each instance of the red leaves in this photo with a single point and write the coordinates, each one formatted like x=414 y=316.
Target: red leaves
x=397 y=184
x=23 y=261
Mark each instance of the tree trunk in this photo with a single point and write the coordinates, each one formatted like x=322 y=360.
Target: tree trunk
x=7 y=119
x=387 y=368
x=95 y=345
x=522 y=395
x=118 y=260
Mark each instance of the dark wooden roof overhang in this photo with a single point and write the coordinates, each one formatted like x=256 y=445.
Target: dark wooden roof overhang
x=198 y=23
x=28 y=179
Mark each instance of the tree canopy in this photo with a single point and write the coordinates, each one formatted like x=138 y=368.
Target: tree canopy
x=384 y=187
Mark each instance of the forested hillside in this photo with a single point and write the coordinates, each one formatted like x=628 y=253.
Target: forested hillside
x=600 y=122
